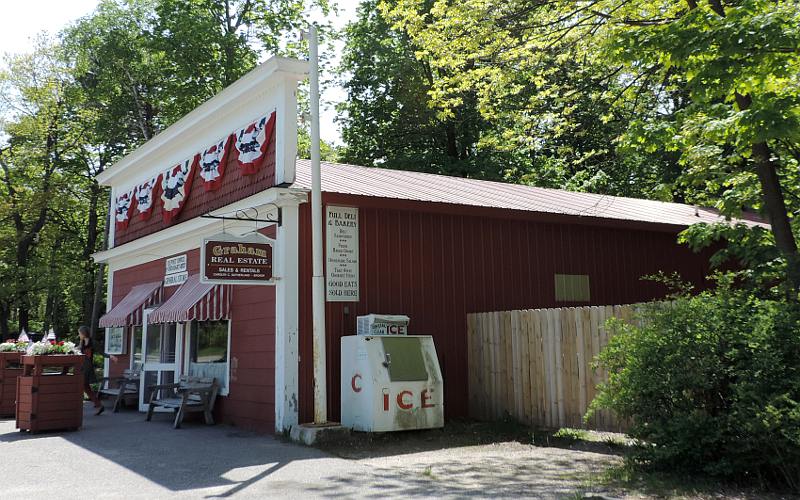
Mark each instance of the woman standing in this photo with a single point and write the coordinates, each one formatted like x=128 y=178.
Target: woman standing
x=89 y=377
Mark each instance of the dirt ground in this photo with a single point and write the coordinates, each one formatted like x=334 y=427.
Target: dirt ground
x=509 y=461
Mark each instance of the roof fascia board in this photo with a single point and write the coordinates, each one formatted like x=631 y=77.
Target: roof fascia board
x=188 y=234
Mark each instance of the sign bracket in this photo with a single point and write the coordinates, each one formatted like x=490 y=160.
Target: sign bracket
x=243 y=216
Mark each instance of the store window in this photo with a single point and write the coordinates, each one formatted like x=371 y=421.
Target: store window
x=209 y=343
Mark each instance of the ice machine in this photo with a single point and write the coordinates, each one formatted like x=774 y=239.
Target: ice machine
x=391 y=383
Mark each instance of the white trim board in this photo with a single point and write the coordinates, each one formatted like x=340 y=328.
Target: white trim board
x=189 y=234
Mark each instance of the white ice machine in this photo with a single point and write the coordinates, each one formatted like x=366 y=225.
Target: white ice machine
x=391 y=383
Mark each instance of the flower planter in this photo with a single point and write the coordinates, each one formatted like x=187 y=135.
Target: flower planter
x=10 y=369
x=53 y=400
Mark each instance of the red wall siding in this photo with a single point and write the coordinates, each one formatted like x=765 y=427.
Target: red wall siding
x=437 y=263
x=234 y=187
x=250 y=402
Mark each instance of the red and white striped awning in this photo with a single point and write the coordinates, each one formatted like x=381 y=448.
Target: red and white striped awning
x=129 y=310
x=195 y=301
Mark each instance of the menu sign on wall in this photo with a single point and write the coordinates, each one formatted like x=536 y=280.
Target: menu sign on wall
x=175 y=271
x=243 y=260
x=341 y=253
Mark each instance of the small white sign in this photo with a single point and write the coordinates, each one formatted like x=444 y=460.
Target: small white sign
x=175 y=264
x=115 y=340
x=341 y=269
x=175 y=279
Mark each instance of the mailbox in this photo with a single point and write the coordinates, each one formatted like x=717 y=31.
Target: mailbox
x=391 y=383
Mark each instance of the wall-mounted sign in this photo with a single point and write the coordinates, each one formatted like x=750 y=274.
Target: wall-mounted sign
x=175 y=279
x=115 y=340
x=237 y=260
x=175 y=271
x=341 y=254
x=175 y=264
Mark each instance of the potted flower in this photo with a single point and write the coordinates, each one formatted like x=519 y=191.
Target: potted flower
x=10 y=369
x=50 y=388
x=12 y=345
x=48 y=347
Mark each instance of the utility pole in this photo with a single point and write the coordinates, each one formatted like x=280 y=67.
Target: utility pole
x=318 y=276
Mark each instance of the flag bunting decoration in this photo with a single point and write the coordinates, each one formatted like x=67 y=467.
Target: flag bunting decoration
x=146 y=197
x=123 y=208
x=176 y=183
x=251 y=144
x=212 y=163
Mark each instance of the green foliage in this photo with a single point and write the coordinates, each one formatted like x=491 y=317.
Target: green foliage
x=710 y=384
x=387 y=120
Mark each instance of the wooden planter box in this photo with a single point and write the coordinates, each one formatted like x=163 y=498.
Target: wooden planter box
x=52 y=400
x=10 y=369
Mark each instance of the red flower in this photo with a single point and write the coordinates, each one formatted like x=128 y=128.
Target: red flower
x=61 y=343
x=52 y=342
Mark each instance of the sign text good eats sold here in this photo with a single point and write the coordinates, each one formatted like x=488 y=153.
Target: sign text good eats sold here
x=244 y=260
x=341 y=253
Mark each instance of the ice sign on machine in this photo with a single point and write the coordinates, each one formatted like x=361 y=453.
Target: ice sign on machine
x=382 y=324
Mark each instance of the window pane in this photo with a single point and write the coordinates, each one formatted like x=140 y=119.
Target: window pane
x=137 y=347
x=208 y=350
x=153 y=354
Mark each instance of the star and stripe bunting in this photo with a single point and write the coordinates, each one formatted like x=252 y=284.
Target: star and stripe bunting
x=146 y=197
x=213 y=161
x=251 y=144
x=124 y=206
x=176 y=183
x=173 y=186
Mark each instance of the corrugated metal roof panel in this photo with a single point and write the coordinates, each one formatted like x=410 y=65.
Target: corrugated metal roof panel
x=419 y=186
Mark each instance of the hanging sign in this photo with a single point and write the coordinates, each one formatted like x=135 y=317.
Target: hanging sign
x=341 y=253
x=237 y=260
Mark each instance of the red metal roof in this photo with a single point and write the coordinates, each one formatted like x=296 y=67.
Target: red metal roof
x=418 y=186
x=194 y=300
x=129 y=310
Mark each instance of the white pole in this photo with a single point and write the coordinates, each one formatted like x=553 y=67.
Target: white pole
x=318 y=277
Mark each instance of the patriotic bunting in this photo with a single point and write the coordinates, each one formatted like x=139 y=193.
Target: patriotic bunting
x=175 y=186
x=146 y=197
x=123 y=208
x=212 y=163
x=251 y=144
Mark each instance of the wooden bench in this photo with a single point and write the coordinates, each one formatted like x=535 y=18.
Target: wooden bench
x=121 y=388
x=191 y=394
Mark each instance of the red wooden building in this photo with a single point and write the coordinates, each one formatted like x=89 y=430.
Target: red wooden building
x=431 y=247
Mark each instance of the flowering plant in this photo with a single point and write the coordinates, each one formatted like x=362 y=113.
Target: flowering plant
x=13 y=346
x=51 y=347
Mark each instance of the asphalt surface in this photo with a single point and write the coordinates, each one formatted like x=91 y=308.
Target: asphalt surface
x=122 y=456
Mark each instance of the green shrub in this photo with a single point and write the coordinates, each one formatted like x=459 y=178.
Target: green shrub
x=711 y=384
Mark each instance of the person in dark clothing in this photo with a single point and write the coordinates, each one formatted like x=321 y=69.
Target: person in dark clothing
x=86 y=347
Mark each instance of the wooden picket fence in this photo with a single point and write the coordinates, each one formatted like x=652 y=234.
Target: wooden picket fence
x=535 y=365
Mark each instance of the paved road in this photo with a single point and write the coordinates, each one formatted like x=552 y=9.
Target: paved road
x=121 y=456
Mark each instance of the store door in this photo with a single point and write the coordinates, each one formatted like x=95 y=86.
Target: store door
x=160 y=357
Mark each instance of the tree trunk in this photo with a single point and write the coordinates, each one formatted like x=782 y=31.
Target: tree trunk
x=774 y=201
x=5 y=316
x=775 y=205
x=89 y=247
x=98 y=284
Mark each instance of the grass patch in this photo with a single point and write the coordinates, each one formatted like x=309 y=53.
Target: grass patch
x=428 y=472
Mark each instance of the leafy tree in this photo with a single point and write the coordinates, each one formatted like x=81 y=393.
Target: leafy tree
x=387 y=120
x=713 y=83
